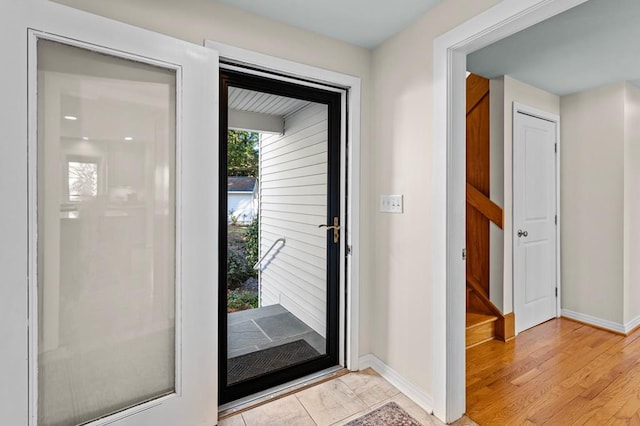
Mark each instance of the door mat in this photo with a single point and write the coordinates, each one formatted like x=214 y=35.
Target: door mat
x=255 y=364
x=389 y=414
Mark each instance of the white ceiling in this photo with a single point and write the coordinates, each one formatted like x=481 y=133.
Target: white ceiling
x=365 y=23
x=588 y=46
x=263 y=103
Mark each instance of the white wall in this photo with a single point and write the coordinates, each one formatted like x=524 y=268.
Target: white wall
x=631 y=204
x=496 y=189
x=293 y=201
x=401 y=286
x=197 y=20
x=592 y=187
x=600 y=205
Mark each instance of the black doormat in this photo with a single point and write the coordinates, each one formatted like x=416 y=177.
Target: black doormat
x=389 y=414
x=255 y=364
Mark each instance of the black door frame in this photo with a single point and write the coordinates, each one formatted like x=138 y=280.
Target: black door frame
x=330 y=358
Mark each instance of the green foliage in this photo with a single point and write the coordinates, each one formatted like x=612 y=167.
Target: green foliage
x=240 y=300
x=238 y=269
x=242 y=153
x=252 y=242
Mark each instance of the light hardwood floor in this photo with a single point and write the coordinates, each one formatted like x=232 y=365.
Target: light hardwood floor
x=558 y=373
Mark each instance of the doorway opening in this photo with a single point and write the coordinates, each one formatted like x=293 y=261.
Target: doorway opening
x=281 y=233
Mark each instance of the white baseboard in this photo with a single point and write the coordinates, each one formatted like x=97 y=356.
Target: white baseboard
x=413 y=392
x=628 y=327
x=598 y=322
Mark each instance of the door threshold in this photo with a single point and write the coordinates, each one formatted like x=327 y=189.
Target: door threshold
x=278 y=392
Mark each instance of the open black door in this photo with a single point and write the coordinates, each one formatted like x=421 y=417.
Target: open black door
x=280 y=232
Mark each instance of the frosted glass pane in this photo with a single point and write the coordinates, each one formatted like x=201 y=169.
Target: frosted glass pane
x=106 y=234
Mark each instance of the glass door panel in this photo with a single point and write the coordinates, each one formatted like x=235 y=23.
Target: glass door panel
x=106 y=234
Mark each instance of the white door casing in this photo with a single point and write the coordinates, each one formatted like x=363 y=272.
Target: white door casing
x=535 y=135
x=22 y=25
x=350 y=89
x=449 y=135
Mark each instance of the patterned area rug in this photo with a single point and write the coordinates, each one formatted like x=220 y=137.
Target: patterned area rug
x=255 y=364
x=389 y=414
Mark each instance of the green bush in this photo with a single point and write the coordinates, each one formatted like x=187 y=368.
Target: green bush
x=252 y=241
x=238 y=269
x=240 y=300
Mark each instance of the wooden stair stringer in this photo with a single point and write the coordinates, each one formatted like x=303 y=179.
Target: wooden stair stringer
x=479 y=303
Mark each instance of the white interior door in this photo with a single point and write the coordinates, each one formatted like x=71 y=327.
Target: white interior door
x=109 y=171
x=534 y=217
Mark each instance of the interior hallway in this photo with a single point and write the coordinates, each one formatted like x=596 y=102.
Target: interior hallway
x=558 y=373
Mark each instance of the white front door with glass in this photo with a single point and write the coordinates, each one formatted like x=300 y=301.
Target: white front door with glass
x=121 y=239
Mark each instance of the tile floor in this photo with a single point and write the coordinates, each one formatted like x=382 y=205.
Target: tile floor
x=334 y=402
x=256 y=329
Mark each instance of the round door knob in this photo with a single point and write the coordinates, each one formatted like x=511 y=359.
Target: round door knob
x=522 y=233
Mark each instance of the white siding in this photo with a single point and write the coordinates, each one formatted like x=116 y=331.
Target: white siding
x=293 y=202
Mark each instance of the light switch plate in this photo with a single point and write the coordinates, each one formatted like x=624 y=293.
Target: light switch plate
x=391 y=204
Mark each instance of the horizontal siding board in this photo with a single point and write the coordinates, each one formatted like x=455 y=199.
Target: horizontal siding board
x=308 y=295
x=307 y=200
x=293 y=141
x=318 y=149
x=310 y=231
x=308 y=161
x=303 y=219
x=312 y=264
x=297 y=242
x=310 y=303
x=312 y=140
x=296 y=208
x=319 y=189
x=303 y=181
x=312 y=270
x=316 y=169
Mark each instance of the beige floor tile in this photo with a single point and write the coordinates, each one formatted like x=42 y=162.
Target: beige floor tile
x=232 y=421
x=330 y=402
x=285 y=411
x=353 y=417
x=414 y=410
x=369 y=386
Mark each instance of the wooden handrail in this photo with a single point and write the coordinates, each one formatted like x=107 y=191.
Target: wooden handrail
x=485 y=206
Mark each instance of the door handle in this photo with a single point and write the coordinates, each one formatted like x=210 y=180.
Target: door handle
x=522 y=233
x=335 y=227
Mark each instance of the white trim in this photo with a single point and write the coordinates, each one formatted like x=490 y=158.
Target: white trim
x=553 y=118
x=631 y=325
x=449 y=59
x=597 y=322
x=413 y=392
x=617 y=327
x=294 y=72
x=538 y=113
x=284 y=67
